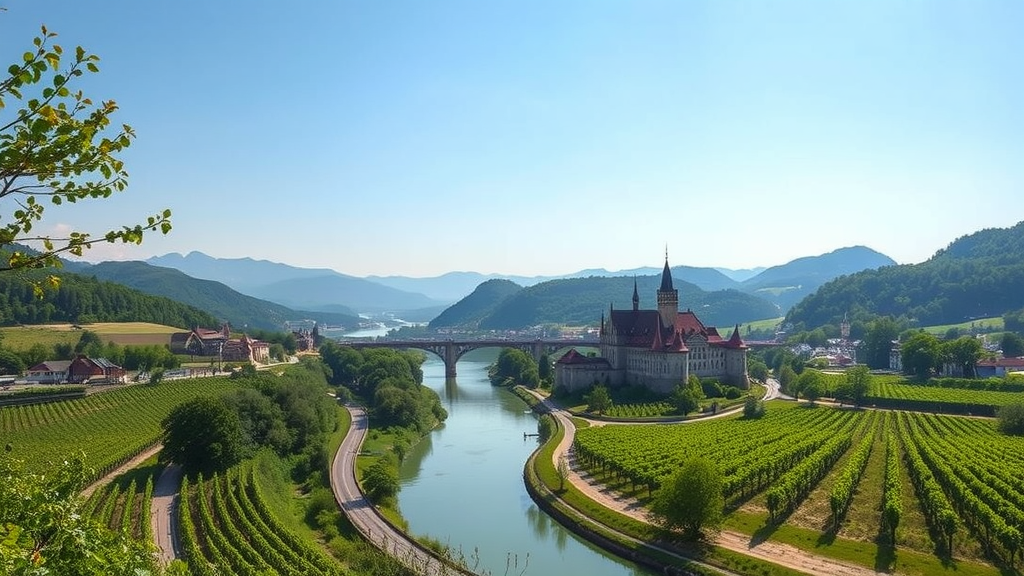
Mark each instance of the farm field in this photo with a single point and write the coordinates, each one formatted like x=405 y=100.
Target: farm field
x=993 y=324
x=123 y=333
x=109 y=428
x=911 y=492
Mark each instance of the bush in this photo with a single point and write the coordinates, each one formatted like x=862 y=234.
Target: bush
x=1011 y=419
x=753 y=408
x=732 y=393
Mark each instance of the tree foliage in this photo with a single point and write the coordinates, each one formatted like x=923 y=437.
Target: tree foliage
x=598 y=400
x=203 y=434
x=390 y=381
x=81 y=299
x=516 y=367
x=878 y=342
x=692 y=499
x=1012 y=345
x=686 y=396
x=380 y=481
x=57 y=146
x=1010 y=419
x=921 y=354
x=44 y=531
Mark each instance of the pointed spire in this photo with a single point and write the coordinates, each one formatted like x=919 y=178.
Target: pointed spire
x=735 y=341
x=636 y=296
x=666 y=276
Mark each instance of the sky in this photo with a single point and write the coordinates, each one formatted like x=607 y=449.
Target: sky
x=532 y=137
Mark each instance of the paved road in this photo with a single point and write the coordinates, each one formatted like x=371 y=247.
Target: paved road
x=365 y=517
x=164 y=513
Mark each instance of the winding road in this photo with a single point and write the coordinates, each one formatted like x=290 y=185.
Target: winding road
x=365 y=517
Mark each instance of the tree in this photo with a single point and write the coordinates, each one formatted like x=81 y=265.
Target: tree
x=598 y=400
x=563 y=471
x=753 y=408
x=686 y=397
x=858 y=380
x=43 y=529
x=964 y=353
x=545 y=371
x=1012 y=345
x=921 y=354
x=203 y=434
x=57 y=146
x=787 y=379
x=10 y=362
x=1010 y=419
x=380 y=481
x=878 y=342
x=811 y=385
x=692 y=499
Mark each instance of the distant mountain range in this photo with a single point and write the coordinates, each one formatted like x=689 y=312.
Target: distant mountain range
x=422 y=299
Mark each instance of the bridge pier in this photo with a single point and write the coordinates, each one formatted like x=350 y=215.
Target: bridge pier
x=451 y=358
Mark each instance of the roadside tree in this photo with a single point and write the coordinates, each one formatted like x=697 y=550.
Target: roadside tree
x=380 y=481
x=858 y=383
x=203 y=434
x=691 y=500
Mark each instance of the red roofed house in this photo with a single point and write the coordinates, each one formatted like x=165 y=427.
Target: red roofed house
x=200 y=341
x=661 y=348
x=574 y=371
x=998 y=367
x=245 y=349
x=95 y=370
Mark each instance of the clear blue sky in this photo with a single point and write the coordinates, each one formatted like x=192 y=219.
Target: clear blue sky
x=538 y=137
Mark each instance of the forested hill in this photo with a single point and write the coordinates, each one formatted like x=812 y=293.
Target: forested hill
x=222 y=302
x=82 y=299
x=979 y=275
x=581 y=301
x=468 y=312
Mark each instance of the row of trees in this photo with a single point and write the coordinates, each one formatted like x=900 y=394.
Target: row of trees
x=390 y=381
x=514 y=366
x=290 y=414
x=16 y=361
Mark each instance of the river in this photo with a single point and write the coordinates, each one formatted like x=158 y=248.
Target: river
x=463 y=484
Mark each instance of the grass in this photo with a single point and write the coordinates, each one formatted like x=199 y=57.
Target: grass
x=761 y=325
x=993 y=324
x=123 y=333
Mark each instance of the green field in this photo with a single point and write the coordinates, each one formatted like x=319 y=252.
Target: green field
x=136 y=333
x=994 y=324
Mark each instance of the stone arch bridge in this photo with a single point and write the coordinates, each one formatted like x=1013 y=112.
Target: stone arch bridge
x=451 y=350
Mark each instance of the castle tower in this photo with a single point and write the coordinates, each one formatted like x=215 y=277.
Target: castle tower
x=668 y=298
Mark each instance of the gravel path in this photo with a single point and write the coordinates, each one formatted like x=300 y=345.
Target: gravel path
x=164 y=513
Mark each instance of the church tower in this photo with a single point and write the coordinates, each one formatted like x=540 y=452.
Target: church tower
x=668 y=298
x=636 y=296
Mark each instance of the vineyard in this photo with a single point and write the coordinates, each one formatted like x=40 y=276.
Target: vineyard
x=227 y=528
x=937 y=485
x=110 y=428
x=124 y=505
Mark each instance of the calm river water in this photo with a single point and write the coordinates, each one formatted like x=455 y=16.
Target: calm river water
x=463 y=484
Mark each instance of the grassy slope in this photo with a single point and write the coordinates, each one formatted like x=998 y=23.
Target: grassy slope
x=138 y=333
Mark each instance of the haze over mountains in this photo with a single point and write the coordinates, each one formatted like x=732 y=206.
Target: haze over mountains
x=424 y=299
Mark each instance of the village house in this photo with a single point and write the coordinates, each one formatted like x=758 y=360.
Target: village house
x=81 y=370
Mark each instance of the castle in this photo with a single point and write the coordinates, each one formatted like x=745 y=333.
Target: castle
x=658 y=349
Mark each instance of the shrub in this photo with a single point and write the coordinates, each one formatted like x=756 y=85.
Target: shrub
x=1011 y=419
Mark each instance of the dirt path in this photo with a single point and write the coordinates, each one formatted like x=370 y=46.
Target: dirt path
x=163 y=513
x=774 y=552
x=133 y=463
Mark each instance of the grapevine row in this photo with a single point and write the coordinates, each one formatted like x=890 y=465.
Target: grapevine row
x=841 y=494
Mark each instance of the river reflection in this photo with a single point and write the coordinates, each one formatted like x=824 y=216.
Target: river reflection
x=463 y=485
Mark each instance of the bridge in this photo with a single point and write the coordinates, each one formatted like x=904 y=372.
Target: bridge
x=451 y=350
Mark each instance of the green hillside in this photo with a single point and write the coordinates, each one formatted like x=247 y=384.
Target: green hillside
x=219 y=300
x=581 y=301
x=976 y=276
x=81 y=299
x=468 y=312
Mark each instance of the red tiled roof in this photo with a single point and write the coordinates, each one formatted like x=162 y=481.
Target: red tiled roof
x=1003 y=363
x=574 y=357
x=734 y=341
